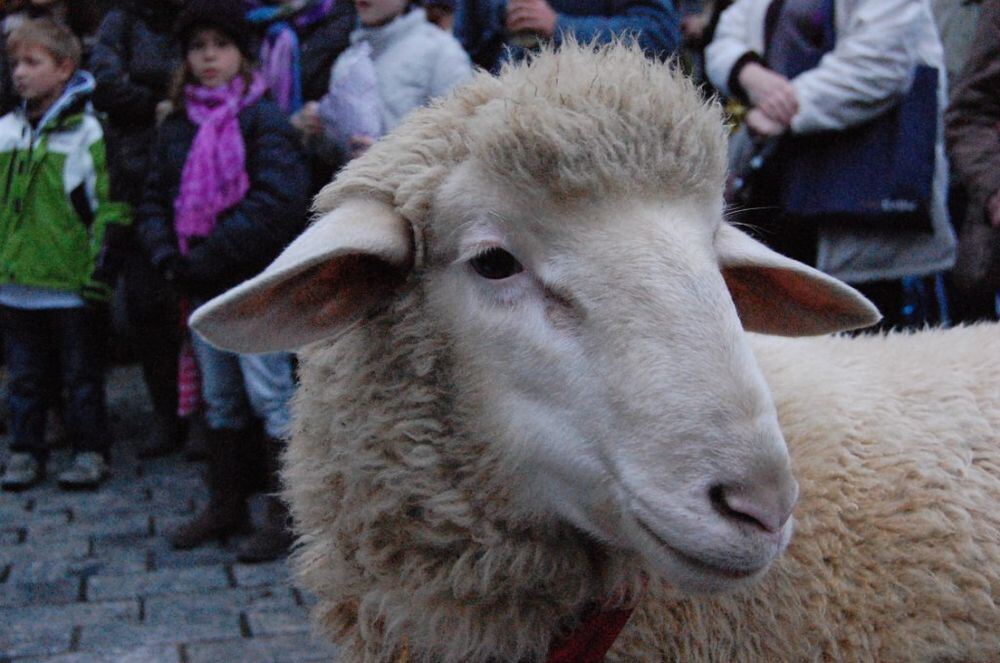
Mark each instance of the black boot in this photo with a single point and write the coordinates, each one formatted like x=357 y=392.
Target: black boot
x=274 y=539
x=196 y=443
x=228 y=481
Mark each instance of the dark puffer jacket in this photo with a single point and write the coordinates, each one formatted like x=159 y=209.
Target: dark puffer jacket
x=133 y=62
x=248 y=236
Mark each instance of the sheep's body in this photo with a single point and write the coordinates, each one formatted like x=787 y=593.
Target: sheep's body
x=478 y=457
x=896 y=556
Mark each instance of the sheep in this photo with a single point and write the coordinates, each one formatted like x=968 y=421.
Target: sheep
x=527 y=388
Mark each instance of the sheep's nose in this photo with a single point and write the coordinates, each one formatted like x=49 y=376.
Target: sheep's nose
x=767 y=506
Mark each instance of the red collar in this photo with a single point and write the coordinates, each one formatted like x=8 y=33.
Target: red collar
x=590 y=642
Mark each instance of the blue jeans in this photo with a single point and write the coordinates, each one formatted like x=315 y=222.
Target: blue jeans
x=236 y=387
x=48 y=352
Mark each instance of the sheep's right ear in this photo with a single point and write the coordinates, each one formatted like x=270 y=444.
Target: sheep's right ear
x=333 y=273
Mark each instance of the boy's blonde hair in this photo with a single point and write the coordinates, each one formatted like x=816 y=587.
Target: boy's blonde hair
x=54 y=37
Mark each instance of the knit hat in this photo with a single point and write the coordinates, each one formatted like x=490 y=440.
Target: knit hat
x=227 y=16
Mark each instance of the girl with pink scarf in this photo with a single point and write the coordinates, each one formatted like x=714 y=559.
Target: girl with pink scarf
x=226 y=192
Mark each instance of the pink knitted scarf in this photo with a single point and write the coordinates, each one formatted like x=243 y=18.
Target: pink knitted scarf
x=214 y=177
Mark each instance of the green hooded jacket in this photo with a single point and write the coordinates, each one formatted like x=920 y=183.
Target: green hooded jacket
x=55 y=206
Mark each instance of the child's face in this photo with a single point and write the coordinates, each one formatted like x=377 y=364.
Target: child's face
x=378 y=12
x=214 y=59
x=37 y=75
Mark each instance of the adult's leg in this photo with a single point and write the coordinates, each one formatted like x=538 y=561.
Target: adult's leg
x=153 y=314
x=158 y=348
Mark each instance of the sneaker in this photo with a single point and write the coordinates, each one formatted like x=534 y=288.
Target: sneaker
x=87 y=472
x=23 y=471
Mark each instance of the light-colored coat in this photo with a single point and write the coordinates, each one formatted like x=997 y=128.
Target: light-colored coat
x=415 y=61
x=879 y=42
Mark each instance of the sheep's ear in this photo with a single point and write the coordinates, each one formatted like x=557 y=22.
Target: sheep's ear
x=777 y=295
x=333 y=273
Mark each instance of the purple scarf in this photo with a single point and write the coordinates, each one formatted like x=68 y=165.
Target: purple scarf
x=280 y=53
x=214 y=177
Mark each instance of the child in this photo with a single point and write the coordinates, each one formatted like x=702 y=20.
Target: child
x=81 y=16
x=413 y=62
x=225 y=193
x=57 y=226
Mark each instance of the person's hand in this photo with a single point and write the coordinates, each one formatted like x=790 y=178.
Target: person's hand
x=762 y=124
x=358 y=145
x=163 y=109
x=770 y=91
x=307 y=119
x=693 y=27
x=531 y=16
x=993 y=209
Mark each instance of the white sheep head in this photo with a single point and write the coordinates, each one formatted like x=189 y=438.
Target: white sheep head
x=556 y=236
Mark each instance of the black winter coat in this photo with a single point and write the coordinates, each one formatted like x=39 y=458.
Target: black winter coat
x=320 y=44
x=248 y=236
x=133 y=62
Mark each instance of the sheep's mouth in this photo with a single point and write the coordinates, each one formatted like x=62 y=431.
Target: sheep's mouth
x=701 y=565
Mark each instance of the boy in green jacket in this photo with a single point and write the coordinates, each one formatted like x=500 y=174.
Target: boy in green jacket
x=56 y=226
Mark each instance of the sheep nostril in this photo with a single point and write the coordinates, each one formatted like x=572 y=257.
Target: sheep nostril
x=766 y=514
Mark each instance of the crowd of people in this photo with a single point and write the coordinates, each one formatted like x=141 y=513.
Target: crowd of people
x=155 y=153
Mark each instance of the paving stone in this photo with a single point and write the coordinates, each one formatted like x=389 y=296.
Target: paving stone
x=134 y=526
x=150 y=654
x=98 y=502
x=71 y=548
x=251 y=575
x=293 y=648
x=14 y=515
x=30 y=570
x=195 y=579
x=165 y=610
x=164 y=557
x=39 y=639
x=111 y=559
x=73 y=614
x=128 y=636
x=272 y=621
x=10 y=535
x=164 y=524
x=55 y=592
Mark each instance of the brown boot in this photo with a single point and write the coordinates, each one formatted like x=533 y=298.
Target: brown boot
x=226 y=513
x=273 y=540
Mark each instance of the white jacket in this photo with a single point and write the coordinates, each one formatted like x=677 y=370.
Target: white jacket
x=415 y=61
x=879 y=42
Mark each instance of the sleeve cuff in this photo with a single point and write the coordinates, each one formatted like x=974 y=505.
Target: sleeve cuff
x=735 y=88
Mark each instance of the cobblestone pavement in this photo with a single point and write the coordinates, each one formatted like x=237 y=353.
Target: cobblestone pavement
x=89 y=577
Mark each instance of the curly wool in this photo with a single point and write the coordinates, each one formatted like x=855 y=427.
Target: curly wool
x=896 y=555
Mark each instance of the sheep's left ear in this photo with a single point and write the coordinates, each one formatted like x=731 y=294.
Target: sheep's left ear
x=777 y=295
x=344 y=265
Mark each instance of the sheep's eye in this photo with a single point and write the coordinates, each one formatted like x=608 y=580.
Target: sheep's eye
x=495 y=263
